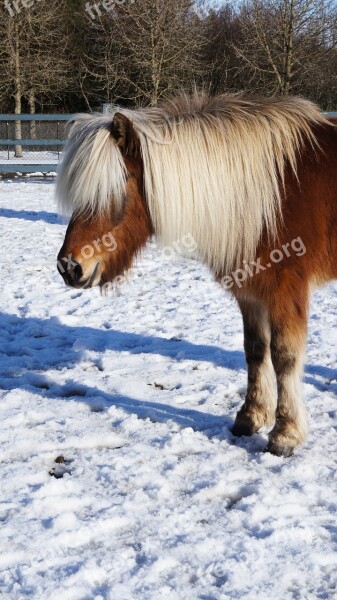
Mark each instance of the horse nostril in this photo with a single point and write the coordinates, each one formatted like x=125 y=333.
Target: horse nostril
x=70 y=270
x=74 y=273
x=78 y=272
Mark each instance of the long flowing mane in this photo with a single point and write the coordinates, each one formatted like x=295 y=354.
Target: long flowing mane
x=213 y=168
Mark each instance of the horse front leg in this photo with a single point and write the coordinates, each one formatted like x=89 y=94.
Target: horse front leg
x=288 y=338
x=260 y=402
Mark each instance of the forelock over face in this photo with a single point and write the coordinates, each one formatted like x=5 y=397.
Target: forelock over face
x=92 y=174
x=98 y=248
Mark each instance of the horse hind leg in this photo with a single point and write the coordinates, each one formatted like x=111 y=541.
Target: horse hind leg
x=289 y=324
x=260 y=402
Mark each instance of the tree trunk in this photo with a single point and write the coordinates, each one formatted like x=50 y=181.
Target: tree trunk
x=288 y=63
x=17 y=95
x=32 y=110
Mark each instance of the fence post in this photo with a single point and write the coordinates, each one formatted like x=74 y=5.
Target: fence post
x=57 y=137
x=7 y=131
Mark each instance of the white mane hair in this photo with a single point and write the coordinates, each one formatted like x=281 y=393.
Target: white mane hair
x=92 y=172
x=213 y=168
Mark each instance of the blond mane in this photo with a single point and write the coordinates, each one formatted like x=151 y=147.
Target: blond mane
x=213 y=168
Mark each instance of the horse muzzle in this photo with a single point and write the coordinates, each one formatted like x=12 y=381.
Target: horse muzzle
x=74 y=275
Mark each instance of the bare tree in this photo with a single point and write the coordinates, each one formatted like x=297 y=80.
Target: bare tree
x=146 y=49
x=222 y=65
x=46 y=63
x=11 y=34
x=74 y=53
x=100 y=61
x=163 y=42
x=32 y=56
x=282 y=39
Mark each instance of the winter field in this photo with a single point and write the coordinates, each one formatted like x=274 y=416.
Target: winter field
x=136 y=392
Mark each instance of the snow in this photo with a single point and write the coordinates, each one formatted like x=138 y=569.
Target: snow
x=119 y=477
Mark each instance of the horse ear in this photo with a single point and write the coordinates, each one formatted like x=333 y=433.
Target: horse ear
x=125 y=135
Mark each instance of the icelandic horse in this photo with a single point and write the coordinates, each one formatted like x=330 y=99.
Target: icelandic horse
x=254 y=182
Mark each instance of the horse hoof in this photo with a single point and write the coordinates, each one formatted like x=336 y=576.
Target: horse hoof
x=279 y=449
x=247 y=422
x=243 y=428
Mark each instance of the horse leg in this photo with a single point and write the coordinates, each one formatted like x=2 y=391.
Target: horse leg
x=260 y=403
x=288 y=338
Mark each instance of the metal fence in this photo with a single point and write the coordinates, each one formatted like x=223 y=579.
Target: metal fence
x=43 y=137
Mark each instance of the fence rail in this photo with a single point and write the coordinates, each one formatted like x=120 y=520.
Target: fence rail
x=32 y=142
x=40 y=150
x=35 y=117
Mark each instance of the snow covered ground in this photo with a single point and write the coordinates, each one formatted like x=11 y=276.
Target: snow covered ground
x=152 y=497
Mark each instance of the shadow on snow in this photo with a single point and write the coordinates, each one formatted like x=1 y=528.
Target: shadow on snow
x=31 y=215
x=32 y=346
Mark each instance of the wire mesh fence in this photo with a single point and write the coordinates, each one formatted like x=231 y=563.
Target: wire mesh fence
x=31 y=142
